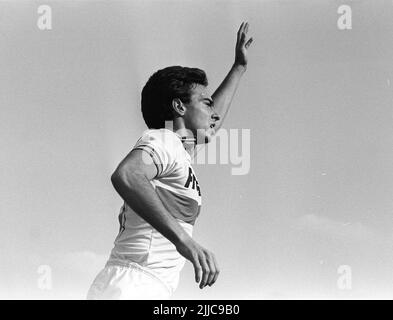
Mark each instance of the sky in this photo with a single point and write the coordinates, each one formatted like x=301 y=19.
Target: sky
x=311 y=218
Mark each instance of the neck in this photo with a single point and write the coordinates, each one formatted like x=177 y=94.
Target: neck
x=186 y=136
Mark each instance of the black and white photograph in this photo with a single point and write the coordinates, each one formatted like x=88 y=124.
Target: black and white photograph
x=196 y=150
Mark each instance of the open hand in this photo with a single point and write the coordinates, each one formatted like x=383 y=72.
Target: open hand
x=242 y=45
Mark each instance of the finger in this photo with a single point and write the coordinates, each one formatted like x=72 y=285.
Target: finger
x=239 y=33
x=205 y=272
x=212 y=268
x=197 y=270
x=245 y=27
x=217 y=271
x=242 y=39
x=240 y=29
x=248 y=43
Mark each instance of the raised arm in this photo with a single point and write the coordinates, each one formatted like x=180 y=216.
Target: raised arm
x=223 y=96
x=131 y=180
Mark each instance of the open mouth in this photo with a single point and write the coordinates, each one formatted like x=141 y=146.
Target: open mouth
x=212 y=125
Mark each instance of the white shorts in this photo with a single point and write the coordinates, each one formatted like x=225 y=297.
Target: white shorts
x=128 y=281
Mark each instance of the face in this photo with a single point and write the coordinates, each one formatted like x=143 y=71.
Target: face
x=200 y=116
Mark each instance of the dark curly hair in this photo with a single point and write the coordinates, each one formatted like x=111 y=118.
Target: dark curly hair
x=164 y=86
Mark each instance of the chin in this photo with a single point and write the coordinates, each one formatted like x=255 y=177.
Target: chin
x=205 y=136
x=208 y=137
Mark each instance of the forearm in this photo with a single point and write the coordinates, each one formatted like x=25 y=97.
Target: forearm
x=139 y=194
x=224 y=94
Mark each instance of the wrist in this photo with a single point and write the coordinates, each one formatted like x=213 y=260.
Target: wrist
x=181 y=239
x=241 y=68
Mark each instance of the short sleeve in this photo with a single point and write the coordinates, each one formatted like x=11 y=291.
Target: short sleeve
x=161 y=148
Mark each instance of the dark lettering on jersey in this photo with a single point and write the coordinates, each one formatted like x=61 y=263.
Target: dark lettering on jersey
x=192 y=178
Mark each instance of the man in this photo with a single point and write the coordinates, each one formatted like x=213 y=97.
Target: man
x=162 y=197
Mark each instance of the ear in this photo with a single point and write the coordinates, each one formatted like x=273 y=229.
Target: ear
x=178 y=107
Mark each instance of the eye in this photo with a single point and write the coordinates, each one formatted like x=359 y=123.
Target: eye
x=209 y=103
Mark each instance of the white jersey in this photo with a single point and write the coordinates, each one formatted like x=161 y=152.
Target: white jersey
x=177 y=186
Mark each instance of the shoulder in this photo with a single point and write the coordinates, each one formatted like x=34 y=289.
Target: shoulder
x=163 y=139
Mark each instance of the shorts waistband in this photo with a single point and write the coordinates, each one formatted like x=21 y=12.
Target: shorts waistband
x=134 y=265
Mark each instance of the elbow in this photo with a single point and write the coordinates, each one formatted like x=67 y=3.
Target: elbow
x=121 y=184
x=123 y=179
x=115 y=177
x=118 y=180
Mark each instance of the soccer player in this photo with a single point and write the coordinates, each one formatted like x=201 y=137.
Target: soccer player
x=162 y=196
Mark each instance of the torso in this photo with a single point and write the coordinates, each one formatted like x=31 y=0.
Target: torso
x=178 y=188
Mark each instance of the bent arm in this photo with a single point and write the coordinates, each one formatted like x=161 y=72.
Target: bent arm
x=132 y=181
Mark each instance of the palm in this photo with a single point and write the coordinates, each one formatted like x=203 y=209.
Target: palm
x=242 y=45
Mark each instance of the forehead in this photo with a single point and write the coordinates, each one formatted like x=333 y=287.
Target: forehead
x=200 y=92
